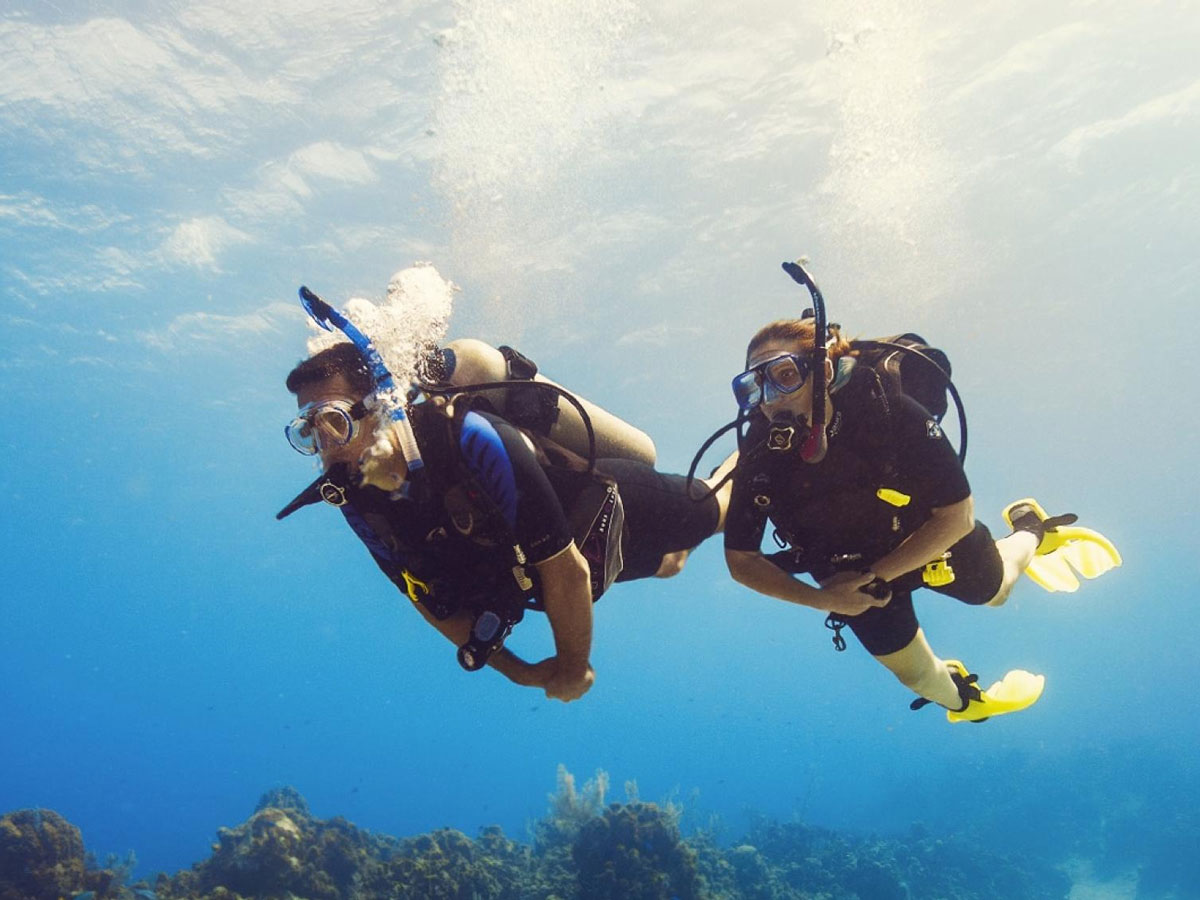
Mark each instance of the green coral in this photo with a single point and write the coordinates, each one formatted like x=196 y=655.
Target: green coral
x=634 y=851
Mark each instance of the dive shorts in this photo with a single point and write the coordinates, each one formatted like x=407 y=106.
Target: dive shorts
x=660 y=517
x=978 y=573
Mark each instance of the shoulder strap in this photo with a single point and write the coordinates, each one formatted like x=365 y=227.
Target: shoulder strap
x=867 y=395
x=486 y=461
x=912 y=373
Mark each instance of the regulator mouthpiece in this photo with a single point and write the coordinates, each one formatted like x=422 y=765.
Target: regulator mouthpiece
x=815 y=446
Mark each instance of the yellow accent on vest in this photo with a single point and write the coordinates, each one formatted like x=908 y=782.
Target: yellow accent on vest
x=938 y=573
x=887 y=495
x=411 y=583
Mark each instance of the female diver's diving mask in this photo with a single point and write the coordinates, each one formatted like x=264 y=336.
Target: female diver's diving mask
x=785 y=374
x=324 y=425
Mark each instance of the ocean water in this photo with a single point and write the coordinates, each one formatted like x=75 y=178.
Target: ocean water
x=610 y=187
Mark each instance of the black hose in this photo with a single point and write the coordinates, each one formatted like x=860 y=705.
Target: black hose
x=691 y=474
x=502 y=385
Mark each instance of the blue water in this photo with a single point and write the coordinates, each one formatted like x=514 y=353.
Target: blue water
x=613 y=188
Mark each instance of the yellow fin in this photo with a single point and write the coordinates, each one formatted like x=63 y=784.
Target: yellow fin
x=1017 y=690
x=1065 y=552
x=1052 y=573
x=1090 y=553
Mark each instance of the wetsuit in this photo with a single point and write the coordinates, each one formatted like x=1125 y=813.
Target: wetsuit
x=462 y=548
x=888 y=465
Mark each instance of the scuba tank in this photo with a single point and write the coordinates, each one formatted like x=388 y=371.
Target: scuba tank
x=521 y=395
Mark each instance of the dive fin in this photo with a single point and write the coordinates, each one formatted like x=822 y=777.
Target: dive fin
x=1015 y=691
x=1052 y=573
x=1065 y=549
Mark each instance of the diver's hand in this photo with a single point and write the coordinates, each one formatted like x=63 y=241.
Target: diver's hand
x=382 y=463
x=843 y=594
x=561 y=680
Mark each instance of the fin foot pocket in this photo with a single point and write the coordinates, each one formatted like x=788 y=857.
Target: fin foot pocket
x=1017 y=690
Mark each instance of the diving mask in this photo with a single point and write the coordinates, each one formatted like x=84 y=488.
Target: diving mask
x=785 y=374
x=324 y=425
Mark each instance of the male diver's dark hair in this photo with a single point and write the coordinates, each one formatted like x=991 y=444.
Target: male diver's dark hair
x=341 y=359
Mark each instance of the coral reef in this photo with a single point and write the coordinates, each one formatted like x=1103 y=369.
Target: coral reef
x=448 y=865
x=584 y=849
x=42 y=858
x=282 y=851
x=778 y=861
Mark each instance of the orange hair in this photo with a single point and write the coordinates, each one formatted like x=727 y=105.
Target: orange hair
x=799 y=331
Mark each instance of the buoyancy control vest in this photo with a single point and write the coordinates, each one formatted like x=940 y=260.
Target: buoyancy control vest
x=452 y=546
x=902 y=364
x=472 y=487
x=852 y=507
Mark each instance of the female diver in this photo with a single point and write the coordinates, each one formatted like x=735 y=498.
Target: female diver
x=881 y=509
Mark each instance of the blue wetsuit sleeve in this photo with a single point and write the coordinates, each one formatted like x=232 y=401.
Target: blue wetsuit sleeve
x=926 y=456
x=507 y=468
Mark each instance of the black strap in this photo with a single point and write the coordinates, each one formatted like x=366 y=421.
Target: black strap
x=968 y=690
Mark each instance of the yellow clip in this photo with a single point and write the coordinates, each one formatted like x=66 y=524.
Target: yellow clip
x=411 y=583
x=938 y=573
x=887 y=495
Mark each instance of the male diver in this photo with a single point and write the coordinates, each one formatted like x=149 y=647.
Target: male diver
x=872 y=502
x=476 y=519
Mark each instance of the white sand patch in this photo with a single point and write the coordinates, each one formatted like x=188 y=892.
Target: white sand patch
x=1086 y=885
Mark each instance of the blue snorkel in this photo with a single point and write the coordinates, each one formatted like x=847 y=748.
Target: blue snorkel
x=385 y=385
x=816 y=444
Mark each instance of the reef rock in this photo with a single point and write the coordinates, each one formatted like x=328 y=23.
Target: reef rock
x=448 y=865
x=282 y=851
x=42 y=858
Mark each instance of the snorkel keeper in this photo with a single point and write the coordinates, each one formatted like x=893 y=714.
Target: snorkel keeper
x=816 y=444
x=385 y=385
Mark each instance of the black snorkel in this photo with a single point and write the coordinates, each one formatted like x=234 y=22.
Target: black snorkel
x=816 y=444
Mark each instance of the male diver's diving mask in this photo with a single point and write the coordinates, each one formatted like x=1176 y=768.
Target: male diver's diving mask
x=324 y=425
x=785 y=374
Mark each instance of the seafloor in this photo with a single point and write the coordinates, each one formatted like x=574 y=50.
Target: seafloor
x=584 y=849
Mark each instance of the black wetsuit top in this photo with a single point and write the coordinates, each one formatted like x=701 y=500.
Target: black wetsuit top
x=831 y=511
x=850 y=509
